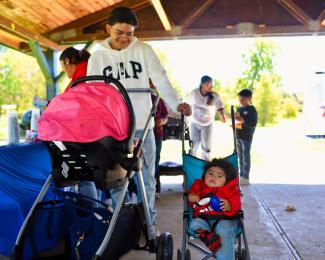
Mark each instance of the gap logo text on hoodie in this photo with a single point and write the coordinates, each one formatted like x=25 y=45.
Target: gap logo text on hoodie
x=136 y=68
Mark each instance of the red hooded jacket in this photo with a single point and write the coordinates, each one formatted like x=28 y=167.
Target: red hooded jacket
x=228 y=192
x=81 y=71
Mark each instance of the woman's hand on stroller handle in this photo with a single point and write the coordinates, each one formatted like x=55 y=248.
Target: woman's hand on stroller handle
x=185 y=109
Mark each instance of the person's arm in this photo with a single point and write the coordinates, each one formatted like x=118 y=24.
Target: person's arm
x=194 y=191
x=159 y=78
x=162 y=114
x=221 y=113
x=220 y=108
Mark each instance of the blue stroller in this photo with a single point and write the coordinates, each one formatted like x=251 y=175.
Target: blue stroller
x=193 y=169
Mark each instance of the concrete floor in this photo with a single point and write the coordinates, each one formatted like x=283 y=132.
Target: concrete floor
x=303 y=227
x=265 y=242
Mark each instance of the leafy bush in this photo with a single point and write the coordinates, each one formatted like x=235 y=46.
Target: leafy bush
x=267 y=98
x=290 y=108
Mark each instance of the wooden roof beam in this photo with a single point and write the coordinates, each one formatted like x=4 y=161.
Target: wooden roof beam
x=321 y=18
x=192 y=17
x=292 y=8
x=6 y=41
x=72 y=27
x=10 y=25
x=206 y=33
x=162 y=14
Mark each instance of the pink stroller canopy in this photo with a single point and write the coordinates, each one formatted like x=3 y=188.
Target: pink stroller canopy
x=86 y=113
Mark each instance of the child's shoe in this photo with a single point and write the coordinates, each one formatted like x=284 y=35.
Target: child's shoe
x=213 y=242
x=210 y=239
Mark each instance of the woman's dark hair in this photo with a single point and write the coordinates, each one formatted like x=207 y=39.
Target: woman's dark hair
x=246 y=93
x=229 y=170
x=122 y=15
x=206 y=79
x=75 y=56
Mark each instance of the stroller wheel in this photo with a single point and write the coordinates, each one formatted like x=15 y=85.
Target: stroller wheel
x=188 y=254
x=242 y=255
x=179 y=254
x=165 y=247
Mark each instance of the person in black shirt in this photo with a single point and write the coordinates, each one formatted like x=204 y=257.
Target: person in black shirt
x=246 y=117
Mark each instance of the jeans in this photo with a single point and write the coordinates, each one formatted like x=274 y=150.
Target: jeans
x=158 y=151
x=226 y=229
x=88 y=188
x=244 y=154
x=148 y=173
x=202 y=134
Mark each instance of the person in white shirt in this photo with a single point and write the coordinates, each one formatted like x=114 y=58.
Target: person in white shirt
x=123 y=57
x=205 y=104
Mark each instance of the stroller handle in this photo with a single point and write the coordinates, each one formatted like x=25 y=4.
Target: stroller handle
x=143 y=90
x=183 y=132
x=124 y=94
x=233 y=125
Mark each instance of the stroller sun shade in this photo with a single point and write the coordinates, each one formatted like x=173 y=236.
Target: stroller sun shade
x=86 y=113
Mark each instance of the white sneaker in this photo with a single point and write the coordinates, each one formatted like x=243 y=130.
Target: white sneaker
x=243 y=181
x=157 y=196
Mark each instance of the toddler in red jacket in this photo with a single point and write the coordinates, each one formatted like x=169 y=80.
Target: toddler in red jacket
x=215 y=199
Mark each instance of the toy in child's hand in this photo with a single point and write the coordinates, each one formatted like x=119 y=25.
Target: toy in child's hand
x=215 y=203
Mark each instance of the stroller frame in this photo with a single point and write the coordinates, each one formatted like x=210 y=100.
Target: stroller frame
x=185 y=254
x=162 y=245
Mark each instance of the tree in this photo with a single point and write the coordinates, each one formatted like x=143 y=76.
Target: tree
x=227 y=95
x=290 y=107
x=20 y=79
x=258 y=61
x=259 y=76
x=267 y=99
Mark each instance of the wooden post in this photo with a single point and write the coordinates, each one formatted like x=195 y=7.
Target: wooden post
x=48 y=65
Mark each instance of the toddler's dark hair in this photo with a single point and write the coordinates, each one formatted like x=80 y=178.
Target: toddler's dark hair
x=230 y=171
x=122 y=15
x=245 y=93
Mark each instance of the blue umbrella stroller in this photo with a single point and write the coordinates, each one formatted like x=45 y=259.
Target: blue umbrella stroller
x=99 y=231
x=193 y=169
